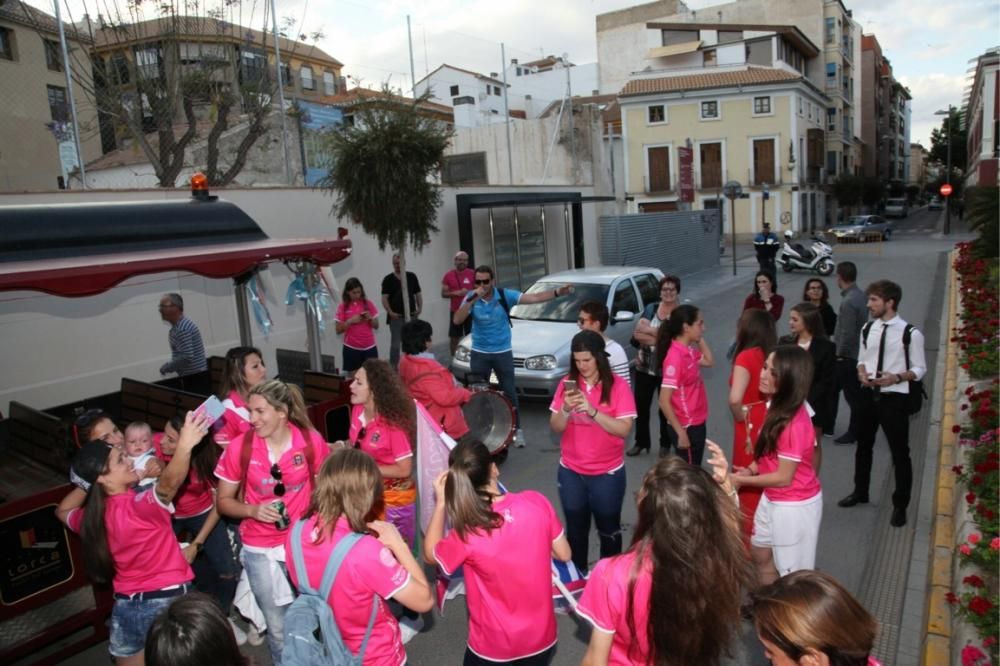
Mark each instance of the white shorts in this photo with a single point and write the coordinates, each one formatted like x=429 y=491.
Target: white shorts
x=790 y=530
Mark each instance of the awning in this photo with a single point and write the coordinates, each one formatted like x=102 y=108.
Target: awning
x=90 y=275
x=673 y=49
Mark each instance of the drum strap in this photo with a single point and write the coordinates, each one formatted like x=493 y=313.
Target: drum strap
x=505 y=305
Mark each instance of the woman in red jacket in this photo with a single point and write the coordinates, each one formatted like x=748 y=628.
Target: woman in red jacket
x=430 y=382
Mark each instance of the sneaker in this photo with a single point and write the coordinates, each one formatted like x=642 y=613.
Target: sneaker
x=410 y=628
x=519 y=439
x=254 y=637
x=239 y=634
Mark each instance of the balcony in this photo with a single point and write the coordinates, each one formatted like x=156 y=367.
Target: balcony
x=710 y=176
x=764 y=175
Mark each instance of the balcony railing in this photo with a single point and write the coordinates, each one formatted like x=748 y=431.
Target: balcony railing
x=710 y=176
x=658 y=185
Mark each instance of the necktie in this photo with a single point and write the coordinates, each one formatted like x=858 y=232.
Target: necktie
x=881 y=354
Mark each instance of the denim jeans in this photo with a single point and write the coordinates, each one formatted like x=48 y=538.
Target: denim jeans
x=480 y=365
x=597 y=495
x=258 y=568
x=216 y=571
x=130 y=622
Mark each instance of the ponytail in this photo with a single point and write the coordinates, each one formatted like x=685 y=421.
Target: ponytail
x=468 y=502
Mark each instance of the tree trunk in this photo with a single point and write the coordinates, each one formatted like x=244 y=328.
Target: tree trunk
x=406 y=284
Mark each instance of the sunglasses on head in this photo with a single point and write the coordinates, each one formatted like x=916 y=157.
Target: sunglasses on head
x=84 y=421
x=279 y=487
x=482 y=282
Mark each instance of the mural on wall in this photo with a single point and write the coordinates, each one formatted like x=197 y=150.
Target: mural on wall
x=314 y=120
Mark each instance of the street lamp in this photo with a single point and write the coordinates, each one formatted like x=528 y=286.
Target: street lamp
x=947 y=199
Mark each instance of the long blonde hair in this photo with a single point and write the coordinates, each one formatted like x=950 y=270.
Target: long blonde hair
x=285 y=398
x=349 y=484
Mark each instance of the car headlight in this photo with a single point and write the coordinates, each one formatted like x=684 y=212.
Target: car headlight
x=543 y=362
x=463 y=354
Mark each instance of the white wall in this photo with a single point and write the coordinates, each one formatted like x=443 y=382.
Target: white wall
x=57 y=350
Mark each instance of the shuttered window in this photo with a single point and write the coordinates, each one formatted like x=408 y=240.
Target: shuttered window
x=658 y=159
x=763 y=161
x=711 y=165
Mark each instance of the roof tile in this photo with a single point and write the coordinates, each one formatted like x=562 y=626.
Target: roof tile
x=745 y=77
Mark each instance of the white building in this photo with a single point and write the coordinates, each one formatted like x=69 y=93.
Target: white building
x=477 y=99
x=533 y=86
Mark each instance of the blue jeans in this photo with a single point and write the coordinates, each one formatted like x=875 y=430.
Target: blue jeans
x=480 y=364
x=130 y=622
x=216 y=571
x=258 y=568
x=597 y=495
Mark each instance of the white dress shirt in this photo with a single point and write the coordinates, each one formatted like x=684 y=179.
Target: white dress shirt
x=894 y=360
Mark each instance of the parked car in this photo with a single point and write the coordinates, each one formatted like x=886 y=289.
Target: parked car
x=896 y=208
x=542 y=331
x=935 y=204
x=863 y=228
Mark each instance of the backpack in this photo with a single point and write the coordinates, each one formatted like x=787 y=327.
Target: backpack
x=504 y=305
x=311 y=634
x=915 y=398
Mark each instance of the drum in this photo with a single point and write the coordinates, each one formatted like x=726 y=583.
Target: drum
x=490 y=417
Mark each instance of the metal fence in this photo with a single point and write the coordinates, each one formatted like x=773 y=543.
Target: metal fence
x=675 y=242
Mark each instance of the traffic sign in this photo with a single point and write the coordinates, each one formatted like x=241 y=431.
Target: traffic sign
x=945 y=190
x=732 y=189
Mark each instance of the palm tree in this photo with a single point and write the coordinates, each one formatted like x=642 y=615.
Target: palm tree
x=982 y=212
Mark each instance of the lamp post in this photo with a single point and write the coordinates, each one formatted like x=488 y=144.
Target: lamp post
x=947 y=176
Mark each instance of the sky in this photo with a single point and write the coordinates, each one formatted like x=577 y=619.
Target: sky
x=929 y=42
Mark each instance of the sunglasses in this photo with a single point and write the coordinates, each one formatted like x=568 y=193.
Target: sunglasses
x=481 y=282
x=361 y=437
x=581 y=321
x=279 y=487
x=84 y=420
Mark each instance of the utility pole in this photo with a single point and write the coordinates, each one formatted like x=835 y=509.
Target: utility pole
x=69 y=99
x=281 y=94
x=506 y=113
x=947 y=199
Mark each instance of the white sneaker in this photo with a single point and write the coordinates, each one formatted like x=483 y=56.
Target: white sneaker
x=519 y=442
x=254 y=637
x=410 y=628
x=239 y=634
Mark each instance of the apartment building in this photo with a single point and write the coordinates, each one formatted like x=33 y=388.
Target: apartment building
x=885 y=108
x=475 y=99
x=982 y=118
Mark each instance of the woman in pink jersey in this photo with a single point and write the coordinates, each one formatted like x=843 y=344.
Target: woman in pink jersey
x=511 y=617
x=674 y=596
x=276 y=464
x=683 y=400
x=594 y=418
x=357 y=319
x=786 y=524
x=808 y=618
x=127 y=538
x=244 y=370
x=380 y=566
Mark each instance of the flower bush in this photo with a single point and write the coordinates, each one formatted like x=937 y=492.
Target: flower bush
x=977 y=602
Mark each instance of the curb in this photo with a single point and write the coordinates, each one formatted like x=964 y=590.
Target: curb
x=937 y=642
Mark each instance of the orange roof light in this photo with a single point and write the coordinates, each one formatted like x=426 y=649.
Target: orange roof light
x=199 y=182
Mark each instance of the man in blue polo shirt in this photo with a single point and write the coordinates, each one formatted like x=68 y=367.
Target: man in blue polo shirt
x=491 y=345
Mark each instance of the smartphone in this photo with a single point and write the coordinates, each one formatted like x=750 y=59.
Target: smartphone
x=569 y=386
x=213 y=407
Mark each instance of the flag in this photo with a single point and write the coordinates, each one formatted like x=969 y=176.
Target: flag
x=433 y=447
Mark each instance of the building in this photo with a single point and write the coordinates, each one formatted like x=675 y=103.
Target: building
x=885 y=108
x=918 y=165
x=982 y=121
x=751 y=115
x=534 y=85
x=475 y=99
x=37 y=150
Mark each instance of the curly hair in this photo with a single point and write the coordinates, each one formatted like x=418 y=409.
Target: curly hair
x=392 y=401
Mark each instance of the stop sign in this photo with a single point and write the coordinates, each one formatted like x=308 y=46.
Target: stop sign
x=945 y=190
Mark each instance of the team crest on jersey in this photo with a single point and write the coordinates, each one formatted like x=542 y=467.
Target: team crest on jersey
x=671 y=370
x=376 y=436
x=297 y=459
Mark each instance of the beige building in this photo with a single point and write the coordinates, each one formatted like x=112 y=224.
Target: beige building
x=35 y=123
x=918 y=165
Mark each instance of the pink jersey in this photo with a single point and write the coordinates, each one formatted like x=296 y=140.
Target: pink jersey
x=235 y=420
x=587 y=448
x=605 y=605
x=465 y=281
x=145 y=551
x=259 y=486
x=383 y=441
x=195 y=495
x=369 y=569
x=360 y=335
x=508 y=578
x=797 y=442
x=682 y=372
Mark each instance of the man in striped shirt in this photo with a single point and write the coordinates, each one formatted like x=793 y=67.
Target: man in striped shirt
x=187 y=352
x=594 y=316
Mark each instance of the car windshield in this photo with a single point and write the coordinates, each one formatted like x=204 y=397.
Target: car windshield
x=565 y=308
x=856 y=220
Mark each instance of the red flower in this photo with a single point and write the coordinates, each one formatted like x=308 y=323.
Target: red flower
x=975 y=538
x=976 y=480
x=951 y=598
x=957 y=469
x=956 y=429
x=974 y=581
x=980 y=605
x=970 y=498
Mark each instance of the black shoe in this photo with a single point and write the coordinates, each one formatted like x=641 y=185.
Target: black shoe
x=846 y=438
x=898 y=517
x=636 y=450
x=853 y=499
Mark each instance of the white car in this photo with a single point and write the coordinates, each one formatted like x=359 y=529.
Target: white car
x=542 y=331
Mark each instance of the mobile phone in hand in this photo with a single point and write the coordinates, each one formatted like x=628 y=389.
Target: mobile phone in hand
x=213 y=407
x=570 y=386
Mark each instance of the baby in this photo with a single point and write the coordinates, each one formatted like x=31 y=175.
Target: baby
x=139 y=447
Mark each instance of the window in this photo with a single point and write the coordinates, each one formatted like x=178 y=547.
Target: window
x=710 y=110
x=465 y=169
x=58 y=109
x=831 y=30
x=710 y=155
x=53 y=59
x=708 y=58
x=625 y=300
x=147 y=62
x=496 y=90
x=119 y=67
x=286 y=75
x=831 y=119
x=831 y=73
x=800 y=106
x=453 y=91
x=253 y=65
x=656 y=113
x=329 y=83
x=7 y=44
x=831 y=163
x=306 y=76
x=761 y=105
x=519 y=71
x=658 y=169
x=649 y=288
x=763 y=161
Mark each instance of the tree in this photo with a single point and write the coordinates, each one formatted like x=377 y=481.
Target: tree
x=163 y=80
x=982 y=214
x=847 y=190
x=939 y=142
x=381 y=171
x=871 y=191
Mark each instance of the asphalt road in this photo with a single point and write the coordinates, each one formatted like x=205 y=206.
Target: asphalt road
x=911 y=258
